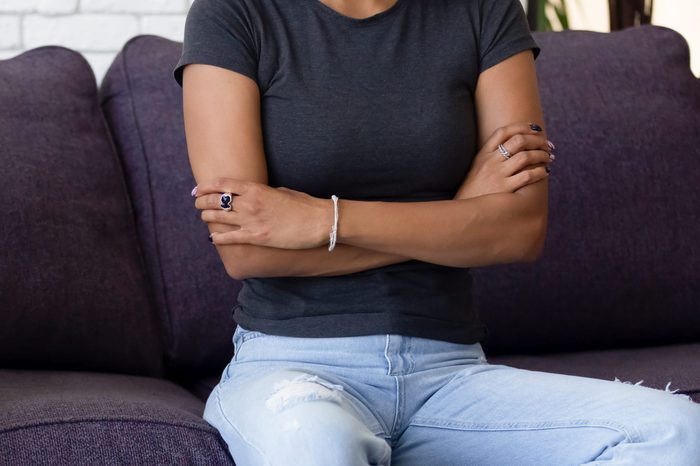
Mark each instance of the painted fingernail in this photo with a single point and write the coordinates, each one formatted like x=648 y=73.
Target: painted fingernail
x=210 y=240
x=535 y=127
x=552 y=156
x=548 y=169
x=551 y=144
x=194 y=191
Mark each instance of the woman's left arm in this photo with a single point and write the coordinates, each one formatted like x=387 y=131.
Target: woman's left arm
x=486 y=230
x=477 y=231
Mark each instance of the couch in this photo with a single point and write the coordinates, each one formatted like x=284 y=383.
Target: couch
x=116 y=311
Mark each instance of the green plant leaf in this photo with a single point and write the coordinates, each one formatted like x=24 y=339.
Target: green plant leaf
x=543 y=23
x=560 y=11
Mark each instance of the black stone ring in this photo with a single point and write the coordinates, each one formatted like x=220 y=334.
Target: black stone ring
x=226 y=201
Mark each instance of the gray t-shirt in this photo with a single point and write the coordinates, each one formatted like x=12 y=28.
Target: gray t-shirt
x=379 y=108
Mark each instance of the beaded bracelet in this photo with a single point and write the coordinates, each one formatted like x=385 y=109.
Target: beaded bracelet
x=334 y=230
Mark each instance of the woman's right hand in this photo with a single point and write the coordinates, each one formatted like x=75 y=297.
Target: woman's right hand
x=491 y=173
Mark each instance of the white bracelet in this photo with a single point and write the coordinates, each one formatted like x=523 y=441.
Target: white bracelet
x=334 y=230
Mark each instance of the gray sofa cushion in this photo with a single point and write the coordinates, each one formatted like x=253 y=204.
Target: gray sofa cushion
x=621 y=260
x=56 y=418
x=675 y=366
x=73 y=289
x=195 y=296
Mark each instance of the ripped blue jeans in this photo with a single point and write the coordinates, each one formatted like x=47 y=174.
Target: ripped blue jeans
x=408 y=401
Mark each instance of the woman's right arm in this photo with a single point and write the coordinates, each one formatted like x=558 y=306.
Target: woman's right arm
x=224 y=139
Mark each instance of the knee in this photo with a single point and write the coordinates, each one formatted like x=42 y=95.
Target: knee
x=675 y=427
x=684 y=420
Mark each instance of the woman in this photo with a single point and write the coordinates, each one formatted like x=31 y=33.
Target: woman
x=353 y=160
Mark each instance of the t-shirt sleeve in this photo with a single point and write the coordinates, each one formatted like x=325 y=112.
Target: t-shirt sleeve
x=504 y=32
x=219 y=33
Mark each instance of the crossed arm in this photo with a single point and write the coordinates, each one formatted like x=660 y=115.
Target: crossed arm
x=479 y=231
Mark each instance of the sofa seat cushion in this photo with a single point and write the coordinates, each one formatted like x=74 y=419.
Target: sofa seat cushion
x=73 y=286
x=655 y=366
x=49 y=417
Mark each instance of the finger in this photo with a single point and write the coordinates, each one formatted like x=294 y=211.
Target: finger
x=525 y=158
x=222 y=185
x=504 y=133
x=527 y=176
x=220 y=216
x=232 y=237
x=521 y=142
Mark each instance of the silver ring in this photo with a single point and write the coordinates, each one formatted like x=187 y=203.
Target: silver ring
x=504 y=151
x=226 y=201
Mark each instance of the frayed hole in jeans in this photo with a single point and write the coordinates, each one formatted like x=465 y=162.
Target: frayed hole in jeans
x=672 y=392
x=305 y=387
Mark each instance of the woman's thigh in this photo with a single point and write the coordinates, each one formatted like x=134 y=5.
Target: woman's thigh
x=275 y=415
x=495 y=415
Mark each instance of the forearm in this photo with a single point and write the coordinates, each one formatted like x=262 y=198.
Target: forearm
x=485 y=230
x=249 y=260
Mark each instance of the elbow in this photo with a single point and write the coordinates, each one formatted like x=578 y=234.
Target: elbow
x=236 y=274
x=234 y=257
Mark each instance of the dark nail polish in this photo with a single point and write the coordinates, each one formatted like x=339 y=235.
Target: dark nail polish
x=548 y=169
x=535 y=127
x=210 y=240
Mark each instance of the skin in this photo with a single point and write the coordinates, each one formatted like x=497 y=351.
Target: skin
x=499 y=214
x=359 y=9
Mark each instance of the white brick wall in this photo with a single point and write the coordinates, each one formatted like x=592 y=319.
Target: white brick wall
x=96 y=28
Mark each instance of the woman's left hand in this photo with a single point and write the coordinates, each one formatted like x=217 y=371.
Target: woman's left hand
x=266 y=216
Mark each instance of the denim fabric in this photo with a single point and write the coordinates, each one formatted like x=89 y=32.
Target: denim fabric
x=400 y=400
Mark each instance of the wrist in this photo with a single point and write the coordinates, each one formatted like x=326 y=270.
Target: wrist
x=325 y=221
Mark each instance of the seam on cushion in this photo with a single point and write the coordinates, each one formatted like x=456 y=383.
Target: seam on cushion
x=59 y=47
x=207 y=429
x=119 y=164
x=166 y=311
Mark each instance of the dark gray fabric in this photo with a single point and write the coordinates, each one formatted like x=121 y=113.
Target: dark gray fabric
x=73 y=289
x=67 y=418
x=621 y=259
x=194 y=295
x=656 y=366
x=374 y=109
x=201 y=387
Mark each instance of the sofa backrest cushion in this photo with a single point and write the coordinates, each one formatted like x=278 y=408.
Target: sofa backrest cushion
x=621 y=259
x=194 y=294
x=73 y=286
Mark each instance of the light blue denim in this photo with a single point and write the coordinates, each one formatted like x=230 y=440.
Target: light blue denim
x=408 y=401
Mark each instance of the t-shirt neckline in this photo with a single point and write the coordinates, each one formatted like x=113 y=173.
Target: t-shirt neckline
x=382 y=15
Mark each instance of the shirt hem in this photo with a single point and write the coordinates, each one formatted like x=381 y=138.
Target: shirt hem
x=360 y=324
